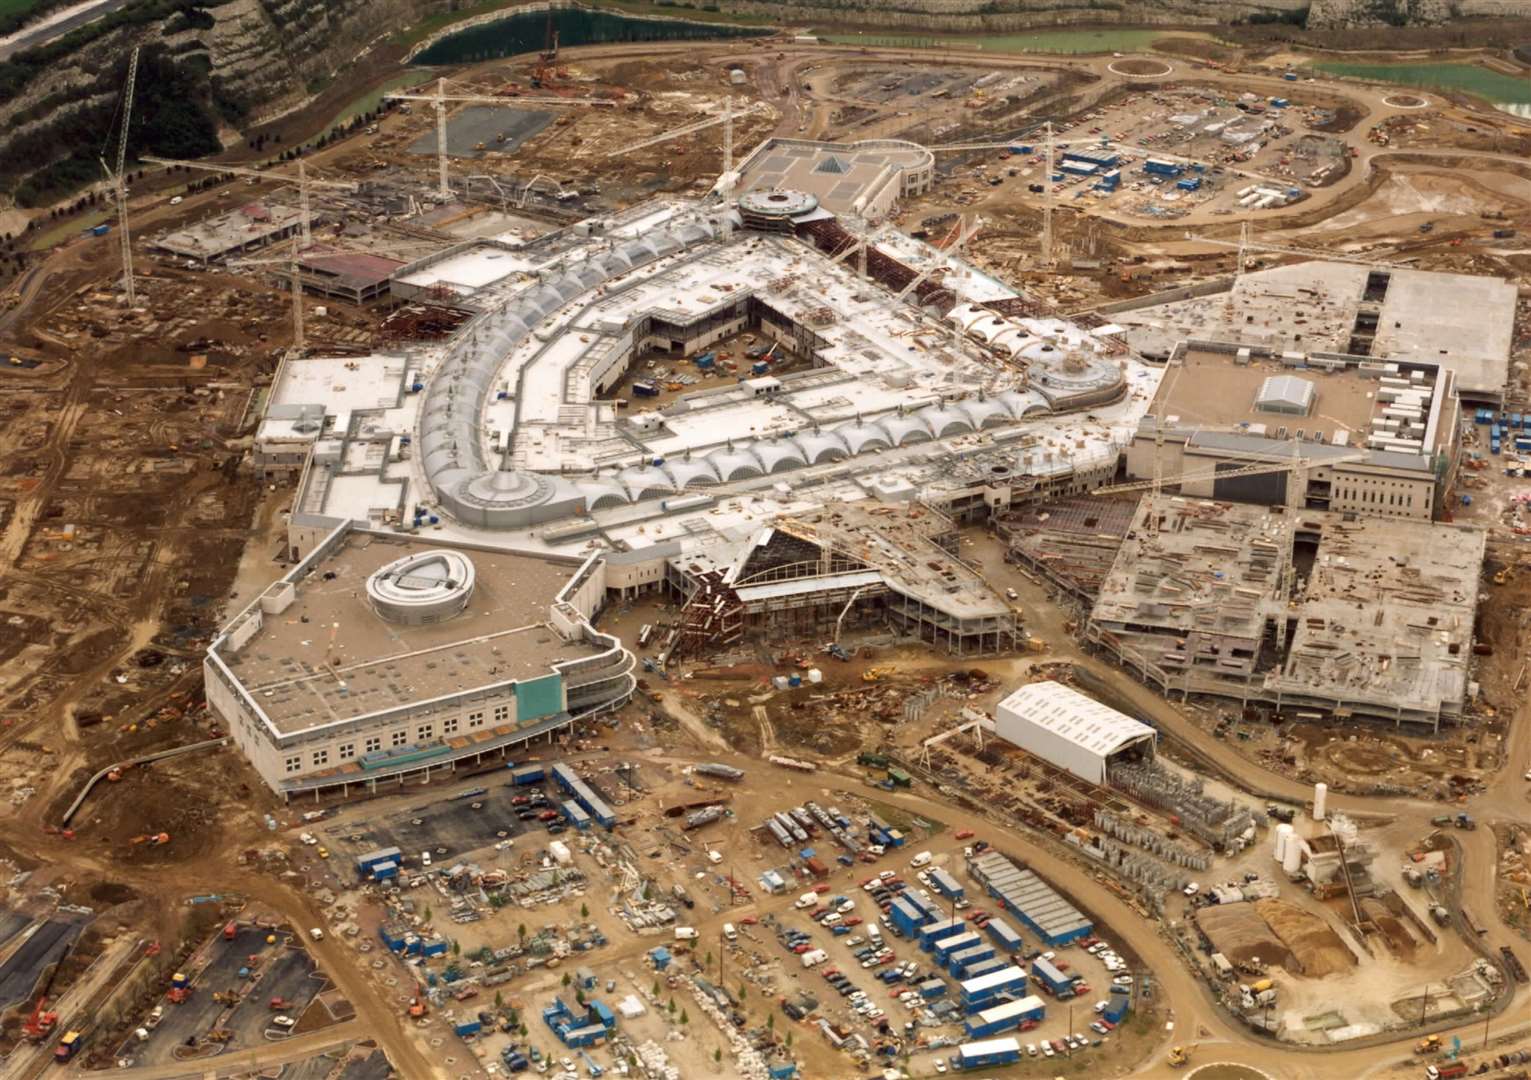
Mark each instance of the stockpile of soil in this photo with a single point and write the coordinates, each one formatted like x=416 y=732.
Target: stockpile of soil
x=1317 y=950
x=1238 y=932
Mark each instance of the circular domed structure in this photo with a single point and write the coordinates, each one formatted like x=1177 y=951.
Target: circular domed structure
x=427 y=587
x=773 y=210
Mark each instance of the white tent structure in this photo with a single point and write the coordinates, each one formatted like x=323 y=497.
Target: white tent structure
x=1067 y=729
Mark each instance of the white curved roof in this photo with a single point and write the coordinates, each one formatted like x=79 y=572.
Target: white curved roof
x=691 y=473
x=903 y=429
x=944 y=421
x=982 y=413
x=1069 y=729
x=736 y=464
x=819 y=445
x=859 y=436
x=779 y=454
x=643 y=479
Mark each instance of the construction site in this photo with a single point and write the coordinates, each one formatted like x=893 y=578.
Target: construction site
x=758 y=557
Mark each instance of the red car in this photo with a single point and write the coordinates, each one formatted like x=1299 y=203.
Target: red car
x=801 y=948
x=749 y=920
x=548 y=815
x=964 y=834
x=822 y=887
x=854 y=920
x=519 y=800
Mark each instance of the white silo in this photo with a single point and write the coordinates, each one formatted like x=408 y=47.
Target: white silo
x=1291 y=857
x=1283 y=839
x=1320 y=797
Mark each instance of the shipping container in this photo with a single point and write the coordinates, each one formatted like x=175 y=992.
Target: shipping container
x=945 y=928
x=948 y=886
x=1005 y=1017
x=983 y=1055
x=521 y=775
x=1049 y=976
x=1004 y=935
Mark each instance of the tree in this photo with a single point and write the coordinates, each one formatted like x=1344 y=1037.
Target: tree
x=770 y=1021
x=566 y=979
x=708 y=961
x=584 y=911
x=521 y=931
x=499 y=999
x=655 y=987
x=789 y=1040
x=456 y=948
x=684 y=1019
x=744 y=992
x=717 y=1056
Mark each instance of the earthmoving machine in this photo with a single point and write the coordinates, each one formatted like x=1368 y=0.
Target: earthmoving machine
x=1429 y=1045
x=39 y=1023
x=1181 y=1055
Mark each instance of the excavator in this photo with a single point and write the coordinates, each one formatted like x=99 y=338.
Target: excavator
x=1181 y=1055
x=40 y=1022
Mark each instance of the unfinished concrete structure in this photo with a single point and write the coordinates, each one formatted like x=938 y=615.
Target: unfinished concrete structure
x=1462 y=322
x=857 y=564
x=251 y=226
x=1313 y=613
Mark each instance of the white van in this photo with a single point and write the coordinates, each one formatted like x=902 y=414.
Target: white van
x=685 y=933
x=729 y=933
x=874 y=934
x=922 y=859
x=807 y=900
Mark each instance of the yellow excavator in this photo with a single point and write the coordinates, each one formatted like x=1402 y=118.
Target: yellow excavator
x=1181 y=1055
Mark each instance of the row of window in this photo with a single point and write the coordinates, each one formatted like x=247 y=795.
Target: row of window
x=320 y=757
x=1368 y=495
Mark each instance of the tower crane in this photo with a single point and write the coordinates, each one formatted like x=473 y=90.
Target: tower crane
x=119 y=180
x=296 y=249
x=440 y=98
x=1245 y=244
x=726 y=118
x=963 y=232
x=303 y=180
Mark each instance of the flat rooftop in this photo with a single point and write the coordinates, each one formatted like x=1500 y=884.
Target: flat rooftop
x=1463 y=322
x=1380 y=614
x=1240 y=404
x=1211 y=390
x=377 y=665
x=837 y=174
x=254 y=223
x=468 y=271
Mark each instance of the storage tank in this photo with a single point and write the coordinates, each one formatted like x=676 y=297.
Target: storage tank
x=1283 y=839
x=1291 y=858
x=1320 y=797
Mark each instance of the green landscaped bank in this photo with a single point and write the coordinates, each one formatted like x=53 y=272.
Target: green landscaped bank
x=1044 y=41
x=525 y=33
x=1506 y=92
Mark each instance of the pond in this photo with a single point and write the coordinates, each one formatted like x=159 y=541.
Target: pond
x=527 y=32
x=1511 y=94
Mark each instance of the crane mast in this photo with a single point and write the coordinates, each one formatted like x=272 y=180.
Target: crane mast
x=120 y=186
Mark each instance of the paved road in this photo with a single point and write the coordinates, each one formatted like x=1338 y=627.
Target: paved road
x=57 y=25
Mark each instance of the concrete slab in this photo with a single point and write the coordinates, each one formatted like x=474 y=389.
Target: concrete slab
x=485 y=124
x=19 y=974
